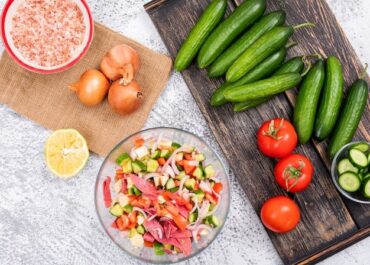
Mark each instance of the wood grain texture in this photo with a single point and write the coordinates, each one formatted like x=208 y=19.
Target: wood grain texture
x=326 y=220
x=327 y=38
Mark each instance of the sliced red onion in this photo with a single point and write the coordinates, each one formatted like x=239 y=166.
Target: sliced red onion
x=213 y=210
x=159 y=232
x=197 y=231
x=169 y=160
x=174 y=167
x=196 y=205
x=151 y=218
x=140 y=211
x=170 y=172
x=151 y=175
x=193 y=163
x=133 y=154
x=201 y=214
x=205 y=186
x=148 y=137
x=154 y=147
x=164 y=218
x=182 y=182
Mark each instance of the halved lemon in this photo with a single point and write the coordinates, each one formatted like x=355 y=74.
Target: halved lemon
x=66 y=152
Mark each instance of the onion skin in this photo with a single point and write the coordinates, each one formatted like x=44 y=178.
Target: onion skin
x=92 y=87
x=125 y=99
x=121 y=62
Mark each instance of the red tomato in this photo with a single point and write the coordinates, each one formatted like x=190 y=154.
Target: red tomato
x=294 y=173
x=280 y=214
x=277 y=138
x=218 y=187
x=181 y=222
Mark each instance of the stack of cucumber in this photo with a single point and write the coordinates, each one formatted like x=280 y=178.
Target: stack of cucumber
x=319 y=110
x=354 y=174
x=247 y=47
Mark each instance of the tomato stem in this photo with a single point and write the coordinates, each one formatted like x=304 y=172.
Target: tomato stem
x=293 y=173
x=272 y=131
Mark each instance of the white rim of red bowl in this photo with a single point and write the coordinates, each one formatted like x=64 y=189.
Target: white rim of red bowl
x=32 y=68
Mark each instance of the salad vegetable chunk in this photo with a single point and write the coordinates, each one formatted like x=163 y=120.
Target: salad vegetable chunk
x=164 y=195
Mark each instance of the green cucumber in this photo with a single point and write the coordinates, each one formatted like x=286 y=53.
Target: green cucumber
x=363 y=147
x=266 y=45
x=350 y=117
x=293 y=65
x=198 y=35
x=366 y=188
x=263 y=88
x=331 y=99
x=242 y=17
x=345 y=165
x=225 y=60
x=307 y=101
x=349 y=182
x=263 y=70
x=158 y=249
x=358 y=158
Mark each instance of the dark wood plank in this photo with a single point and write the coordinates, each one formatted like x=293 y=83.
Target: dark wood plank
x=325 y=219
x=327 y=38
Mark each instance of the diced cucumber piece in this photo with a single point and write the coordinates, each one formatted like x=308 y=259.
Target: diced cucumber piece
x=126 y=166
x=175 y=145
x=152 y=165
x=200 y=157
x=358 y=158
x=156 y=154
x=116 y=210
x=363 y=147
x=210 y=171
x=163 y=179
x=193 y=217
x=122 y=157
x=165 y=144
x=349 y=182
x=135 y=190
x=200 y=195
x=158 y=249
x=173 y=190
x=181 y=175
x=165 y=154
x=138 y=166
x=179 y=156
x=198 y=173
x=345 y=165
x=127 y=208
x=213 y=221
x=366 y=188
x=132 y=233
x=170 y=184
x=190 y=184
x=140 y=229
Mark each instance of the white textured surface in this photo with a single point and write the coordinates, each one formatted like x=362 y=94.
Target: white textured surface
x=45 y=220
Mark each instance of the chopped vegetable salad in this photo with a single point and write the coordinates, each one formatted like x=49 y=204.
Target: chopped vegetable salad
x=164 y=195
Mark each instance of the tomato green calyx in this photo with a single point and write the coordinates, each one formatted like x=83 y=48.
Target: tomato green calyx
x=273 y=131
x=293 y=173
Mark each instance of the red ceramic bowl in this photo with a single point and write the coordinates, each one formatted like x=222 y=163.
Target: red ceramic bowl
x=5 y=26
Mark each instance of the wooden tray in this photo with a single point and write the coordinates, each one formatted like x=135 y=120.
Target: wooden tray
x=329 y=222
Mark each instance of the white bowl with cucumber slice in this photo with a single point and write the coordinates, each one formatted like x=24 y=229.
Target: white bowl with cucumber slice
x=350 y=171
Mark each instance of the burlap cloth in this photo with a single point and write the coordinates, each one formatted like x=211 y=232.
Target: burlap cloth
x=47 y=100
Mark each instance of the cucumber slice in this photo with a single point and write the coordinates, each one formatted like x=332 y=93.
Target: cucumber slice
x=363 y=147
x=349 y=182
x=366 y=188
x=158 y=249
x=345 y=165
x=366 y=177
x=116 y=210
x=358 y=158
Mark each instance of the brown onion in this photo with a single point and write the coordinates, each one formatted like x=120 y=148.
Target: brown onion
x=91 y=88
x=125 y=99
x=121 y=62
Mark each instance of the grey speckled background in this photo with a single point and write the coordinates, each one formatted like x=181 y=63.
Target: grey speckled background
x=45 y=220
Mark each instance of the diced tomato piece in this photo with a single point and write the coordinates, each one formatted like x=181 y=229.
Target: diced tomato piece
x=122 y=222
x=139 y=142
x=133 y=217
x=189 y=206
x=148 y=244
x=161 y=161
x=188 y=168
x=172 y=196
x=180 y=163
x=141 y=202
x=181 y=222
x=114 y=225
x=188 y=157
x=218 y=187
x=106 y=192
x=172 y=209
x=177 y=183
x=211 y=198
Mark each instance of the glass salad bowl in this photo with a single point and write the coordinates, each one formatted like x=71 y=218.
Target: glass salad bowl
x=109 y=168
x=341 y=160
